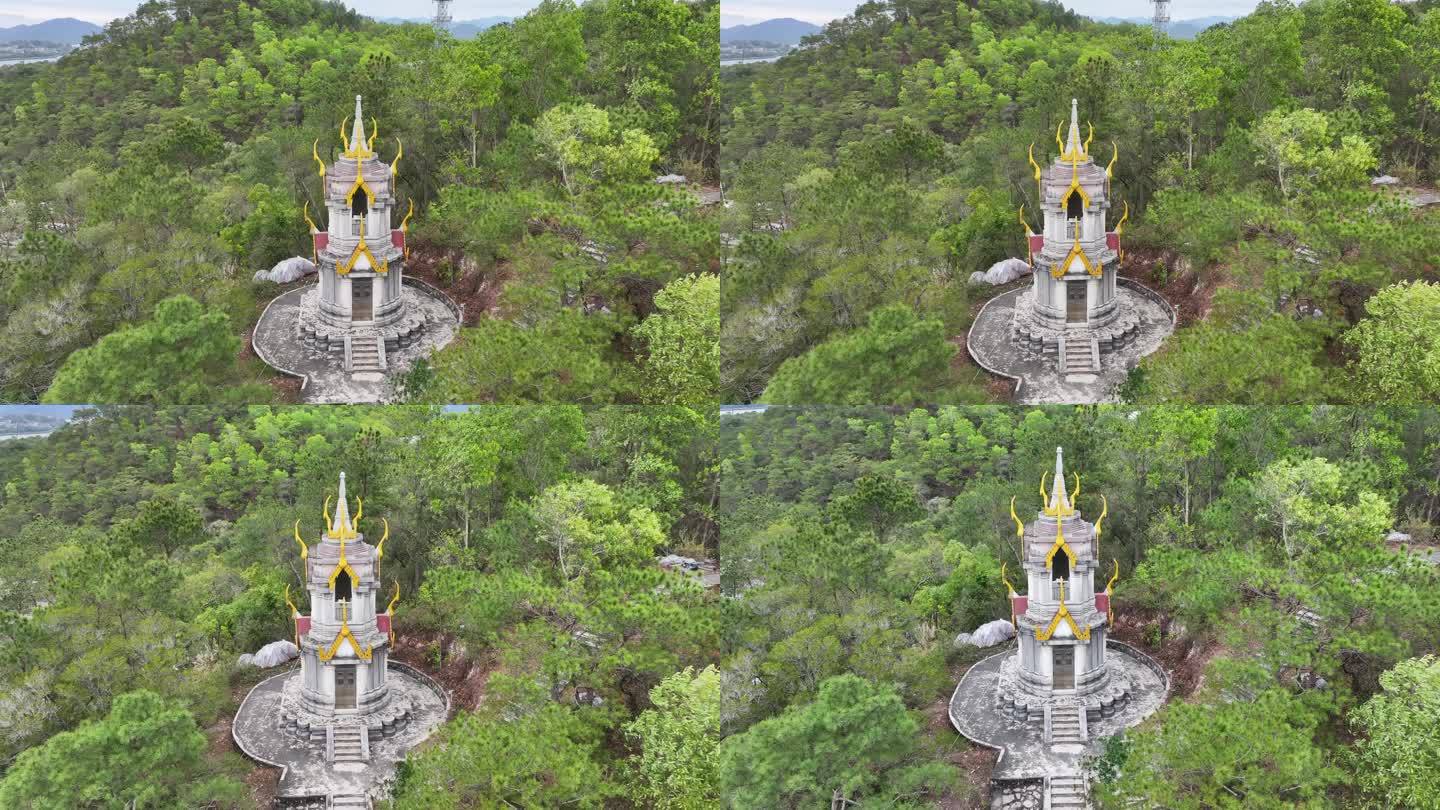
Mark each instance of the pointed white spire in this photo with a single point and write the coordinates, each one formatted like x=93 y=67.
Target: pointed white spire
x=1059 y=498
x=342 y=511
x=357 y=130
x=1071 y=145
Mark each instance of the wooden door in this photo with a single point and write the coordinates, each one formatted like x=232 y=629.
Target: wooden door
x=345 y=686
x=362 y=299
x=1075 y=292
x=1064 y=667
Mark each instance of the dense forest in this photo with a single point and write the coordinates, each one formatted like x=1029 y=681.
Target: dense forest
x=879 y=165
x=1254 y=560
x=141 y=551
x=146 y=176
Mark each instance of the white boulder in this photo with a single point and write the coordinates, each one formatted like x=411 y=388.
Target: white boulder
x=987 y=635
x=275 y=653
x=1002 y=272
x=1385 y=180
x=286 y=271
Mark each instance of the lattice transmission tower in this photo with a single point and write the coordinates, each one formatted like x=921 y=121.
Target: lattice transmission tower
x=442 y=15
x=1161 y=20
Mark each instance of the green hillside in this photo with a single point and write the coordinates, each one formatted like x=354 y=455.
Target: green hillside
x=881 y=166
x=145 y=549
x=173 y=158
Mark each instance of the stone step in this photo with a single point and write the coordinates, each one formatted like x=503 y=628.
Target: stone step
x=349 y=801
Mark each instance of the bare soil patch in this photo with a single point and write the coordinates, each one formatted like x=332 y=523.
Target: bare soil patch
x=1183 y=655
x=1190 y=291
x=463 y=676
x=476 y=289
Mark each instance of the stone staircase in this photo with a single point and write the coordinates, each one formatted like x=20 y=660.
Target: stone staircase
x=1069 y=793
x=1080 y=356
x=1065 y=726
x=350 y=744
x=365 y=354
x=349 y=801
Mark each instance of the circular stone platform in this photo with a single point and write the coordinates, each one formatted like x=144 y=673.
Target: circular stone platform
x=431 y=321
x=259 y=732
x=1145 y=319
x=976 y=711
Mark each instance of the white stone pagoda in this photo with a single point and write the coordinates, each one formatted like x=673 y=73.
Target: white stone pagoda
x=359 y=303
x=1073 y=297
x=345 y=641
x=1062 y=620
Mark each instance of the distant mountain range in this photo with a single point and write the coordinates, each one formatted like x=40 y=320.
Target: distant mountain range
x=784 y=31
x=66 y=30
x=460 y=29
x=1179 y=29
x=28 y=419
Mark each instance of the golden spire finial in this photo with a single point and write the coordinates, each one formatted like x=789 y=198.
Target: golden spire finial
x=1110 y=599
x=344 y=141
x=390 y=610
x=1009 y=593
x=1120 y=229
x=399 y=153
x=380 y=547
x=315 y=153
x=374 y=130
x=1029 y=251
x=1108 y=173
x=294 y=613
x=1059 y=142
x=304 y=549
x=1033 y=164
x=1091 y=137
x=359 y=513
x=1019 y=526
x=325 y=510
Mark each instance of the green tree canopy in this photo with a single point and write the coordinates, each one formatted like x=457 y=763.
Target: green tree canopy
x=146 y=753
x=679 y=740
x=855 y=742
x=897 y=358
x=184 y=355
x=1399 y=757
x=1398 y=345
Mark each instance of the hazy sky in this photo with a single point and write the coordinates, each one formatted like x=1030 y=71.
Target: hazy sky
x=734 y=12
x=13 y=12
